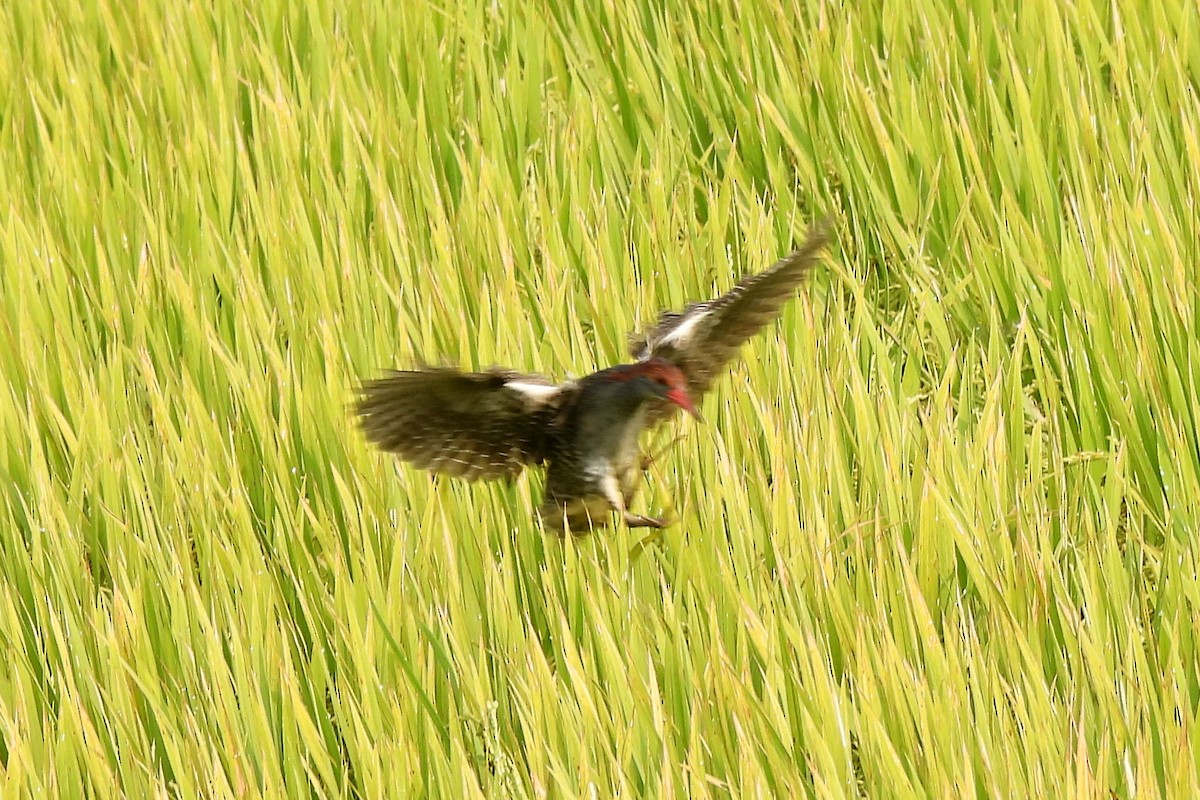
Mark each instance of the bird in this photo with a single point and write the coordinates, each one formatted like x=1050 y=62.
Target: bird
x=493 y=424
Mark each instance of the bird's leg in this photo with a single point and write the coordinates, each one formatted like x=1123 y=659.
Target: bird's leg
x=612 y=493
x=654 y=537
x=639 y=521
x=655 y=477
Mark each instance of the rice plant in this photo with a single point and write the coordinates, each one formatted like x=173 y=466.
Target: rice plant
x=935 y=538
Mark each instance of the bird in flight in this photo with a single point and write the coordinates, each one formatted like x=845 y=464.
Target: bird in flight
x=493 y=424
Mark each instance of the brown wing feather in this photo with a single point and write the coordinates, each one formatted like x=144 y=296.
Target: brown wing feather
x=703 y=338
x=469 y=425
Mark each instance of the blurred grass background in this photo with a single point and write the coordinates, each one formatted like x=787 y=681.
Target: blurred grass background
x=937 y=536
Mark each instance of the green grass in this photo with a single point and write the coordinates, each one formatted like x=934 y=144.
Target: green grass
x=938 y=534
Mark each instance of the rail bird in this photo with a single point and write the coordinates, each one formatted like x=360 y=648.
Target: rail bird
x=493 y=424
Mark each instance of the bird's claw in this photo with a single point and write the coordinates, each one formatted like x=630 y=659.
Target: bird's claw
x=639 y=521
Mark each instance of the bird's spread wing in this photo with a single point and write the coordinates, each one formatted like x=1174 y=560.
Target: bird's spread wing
x=469 y=425
x=703 y=338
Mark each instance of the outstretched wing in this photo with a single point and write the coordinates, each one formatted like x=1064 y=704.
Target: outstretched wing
x=703 y=338
x=469 y=425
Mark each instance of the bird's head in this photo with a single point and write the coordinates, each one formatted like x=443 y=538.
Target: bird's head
x=659 y=378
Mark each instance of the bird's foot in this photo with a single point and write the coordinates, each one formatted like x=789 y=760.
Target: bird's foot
x=654 y=537
x=639 y=521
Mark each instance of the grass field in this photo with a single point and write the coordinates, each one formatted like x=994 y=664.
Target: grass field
x=937 y=536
